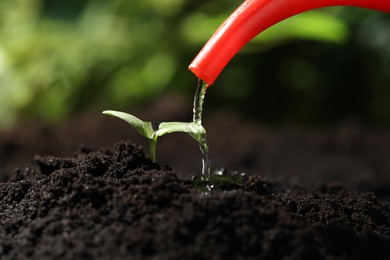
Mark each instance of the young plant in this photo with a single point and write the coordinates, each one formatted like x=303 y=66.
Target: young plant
x=153 y=130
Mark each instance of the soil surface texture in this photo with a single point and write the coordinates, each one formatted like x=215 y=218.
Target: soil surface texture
x=117 y=204
x=306 y=193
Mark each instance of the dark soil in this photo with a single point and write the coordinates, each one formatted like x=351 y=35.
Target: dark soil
x=307 y=193
x=116 y=204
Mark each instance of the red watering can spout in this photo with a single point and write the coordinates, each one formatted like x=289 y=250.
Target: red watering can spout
x=250 y=19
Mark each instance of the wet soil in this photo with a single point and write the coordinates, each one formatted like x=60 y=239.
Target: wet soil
x=306 y=193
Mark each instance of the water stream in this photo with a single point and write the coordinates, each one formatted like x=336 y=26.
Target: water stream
x=197 y=119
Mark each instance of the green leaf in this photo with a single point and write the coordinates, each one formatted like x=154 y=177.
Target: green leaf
x=185 y=127
x=144 y=128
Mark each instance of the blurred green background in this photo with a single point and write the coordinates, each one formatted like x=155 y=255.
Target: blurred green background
x=59 y=57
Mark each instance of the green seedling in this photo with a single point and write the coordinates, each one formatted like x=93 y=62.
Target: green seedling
x=153 y=130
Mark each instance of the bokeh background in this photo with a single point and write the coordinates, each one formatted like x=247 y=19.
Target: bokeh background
x=61 y=57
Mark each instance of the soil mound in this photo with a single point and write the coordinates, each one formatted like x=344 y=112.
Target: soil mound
x=117 y=204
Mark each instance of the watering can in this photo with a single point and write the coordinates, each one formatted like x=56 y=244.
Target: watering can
x=250 y=19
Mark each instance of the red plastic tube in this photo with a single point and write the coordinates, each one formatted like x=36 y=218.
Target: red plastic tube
x=250 y=19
